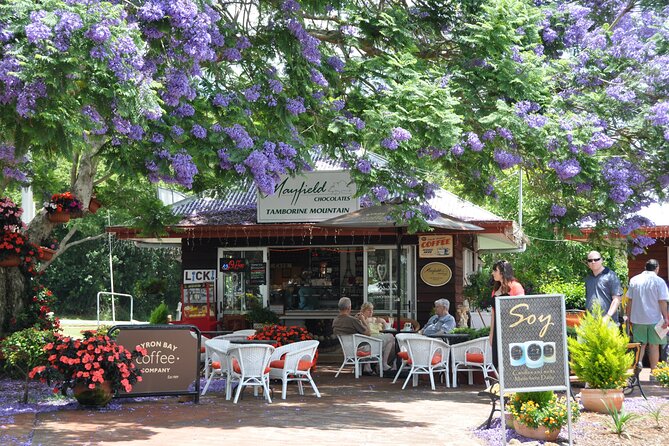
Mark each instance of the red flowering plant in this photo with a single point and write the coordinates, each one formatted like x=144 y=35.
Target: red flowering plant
x=65 y=202
x=14 y=243
x=90 y=361
x=282 y=334
x=38 y=313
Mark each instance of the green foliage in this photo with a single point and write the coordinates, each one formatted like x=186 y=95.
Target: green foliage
x=159 y=314
x=473 y=332
x=655 y=412
x=478 y=290
x=261 y=315
x=619 y=419
x=599 y=354
x=574 y=293
x=24 y=350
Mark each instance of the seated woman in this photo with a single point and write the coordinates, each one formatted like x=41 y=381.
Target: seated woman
x=376 y=324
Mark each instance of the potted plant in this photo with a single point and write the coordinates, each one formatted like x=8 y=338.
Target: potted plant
x=15 y=249
x=540 y=415
x=259 y=316
x=661 y=373
x=282 y=334
x=10 y=214
x=62 y=206
x=95 y=367
x=599 y=356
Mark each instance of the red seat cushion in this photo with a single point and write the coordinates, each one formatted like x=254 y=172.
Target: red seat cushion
x=474 y=357
x=363 y=353
x=302 y=365
x=237 y=369
x=215 y=365
x=202 y=349
x=403 y=355
x=436 y=359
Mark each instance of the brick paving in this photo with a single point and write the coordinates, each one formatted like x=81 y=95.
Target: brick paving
x=367 y=411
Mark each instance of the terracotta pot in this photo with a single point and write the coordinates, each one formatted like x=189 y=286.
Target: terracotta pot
x=536 y=433
x=596 y=400
x=94 y=205
x=59 y=217
x=45 y=254
x=98 y=397
x=10 y=261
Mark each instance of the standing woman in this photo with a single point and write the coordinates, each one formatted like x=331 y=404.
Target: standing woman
x=505 y=284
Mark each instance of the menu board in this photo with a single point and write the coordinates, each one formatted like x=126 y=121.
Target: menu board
x=258 y=273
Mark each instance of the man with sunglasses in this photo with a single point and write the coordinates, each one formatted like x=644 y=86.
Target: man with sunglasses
x=602 y=287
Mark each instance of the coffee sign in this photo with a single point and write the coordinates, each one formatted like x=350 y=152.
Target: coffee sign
x=433 y=246
x=309 y=197
x=171 y=364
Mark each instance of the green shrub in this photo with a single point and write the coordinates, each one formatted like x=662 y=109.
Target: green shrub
x=599 y=354
x=478 y=290
x=24 y=350
x=261 y=315
x=159 y=314
x=574 y=293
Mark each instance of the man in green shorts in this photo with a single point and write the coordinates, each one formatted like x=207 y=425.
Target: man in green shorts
x=648 y=295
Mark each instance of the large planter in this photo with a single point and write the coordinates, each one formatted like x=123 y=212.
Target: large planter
x=596 y=400
x=59 y=217
x=10 y=261
x=536 y=433
x=98 y=397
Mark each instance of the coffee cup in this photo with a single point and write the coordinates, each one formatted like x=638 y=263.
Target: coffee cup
x=408 y=326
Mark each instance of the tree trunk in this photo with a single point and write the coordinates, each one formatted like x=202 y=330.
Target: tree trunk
x=14 y=296
x=15 y=287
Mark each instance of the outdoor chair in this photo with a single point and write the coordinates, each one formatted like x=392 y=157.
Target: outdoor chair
x=216 y=362
x=235 y=335
x=471 y=356
x=360 y=349
x=249 y=366
x=427 y=356
x=293 y=362
x=402 y=352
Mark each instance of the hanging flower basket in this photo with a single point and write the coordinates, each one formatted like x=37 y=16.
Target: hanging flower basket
x=94 y=205
x=10 y=261
x=45 y=254
x=59 y=217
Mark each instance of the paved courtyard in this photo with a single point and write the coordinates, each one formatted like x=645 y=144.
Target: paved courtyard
x=367 y=411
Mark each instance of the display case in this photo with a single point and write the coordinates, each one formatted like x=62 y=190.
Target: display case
x=197 y=306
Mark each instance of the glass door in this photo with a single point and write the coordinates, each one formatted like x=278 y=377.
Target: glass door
x=238 y=292
x=381 y=287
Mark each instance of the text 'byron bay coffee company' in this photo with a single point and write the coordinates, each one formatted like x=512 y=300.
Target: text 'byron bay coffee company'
x=171 y=362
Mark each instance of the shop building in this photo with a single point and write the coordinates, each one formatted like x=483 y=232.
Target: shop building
x=244 y=249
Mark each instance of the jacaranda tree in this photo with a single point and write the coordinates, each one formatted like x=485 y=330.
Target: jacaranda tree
x=203 y=93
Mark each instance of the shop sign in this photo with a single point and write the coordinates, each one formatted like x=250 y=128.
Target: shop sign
x=199 y=275
x=171 y=364
x=436 y=274
x=431 y=246
x=309 y=197
x=233 y=265
x=258 y=273
x=532 y=342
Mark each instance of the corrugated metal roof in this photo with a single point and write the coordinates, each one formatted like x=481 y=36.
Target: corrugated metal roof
x=236 y=206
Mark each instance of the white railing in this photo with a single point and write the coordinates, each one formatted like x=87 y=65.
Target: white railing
x=113 y=306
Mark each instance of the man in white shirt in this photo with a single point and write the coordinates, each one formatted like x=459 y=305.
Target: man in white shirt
x=648 y=296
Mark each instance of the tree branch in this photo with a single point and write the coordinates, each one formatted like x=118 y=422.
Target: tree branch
x=65 y=246
x=627 y=9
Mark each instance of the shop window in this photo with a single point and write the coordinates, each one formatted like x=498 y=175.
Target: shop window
x=239 y=293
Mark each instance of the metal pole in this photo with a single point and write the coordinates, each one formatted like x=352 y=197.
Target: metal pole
x=398 y=279
x=111 y=269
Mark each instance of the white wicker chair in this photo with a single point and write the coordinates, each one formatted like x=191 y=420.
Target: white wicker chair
x=427 y=356
x=235 y=335
x=402 y=353
x=216 y=362
x=471 y=356
x=249 y=365
x=354 y=355
x=294 y=366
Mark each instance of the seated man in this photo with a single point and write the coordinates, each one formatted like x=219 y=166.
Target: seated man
x=441 y=322
x=345 y=324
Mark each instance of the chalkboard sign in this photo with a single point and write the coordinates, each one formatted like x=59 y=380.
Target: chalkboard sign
x=233 y=265
x=258 y=273
x=532 y=348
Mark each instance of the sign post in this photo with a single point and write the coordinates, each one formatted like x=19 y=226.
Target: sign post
x=532 y=347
